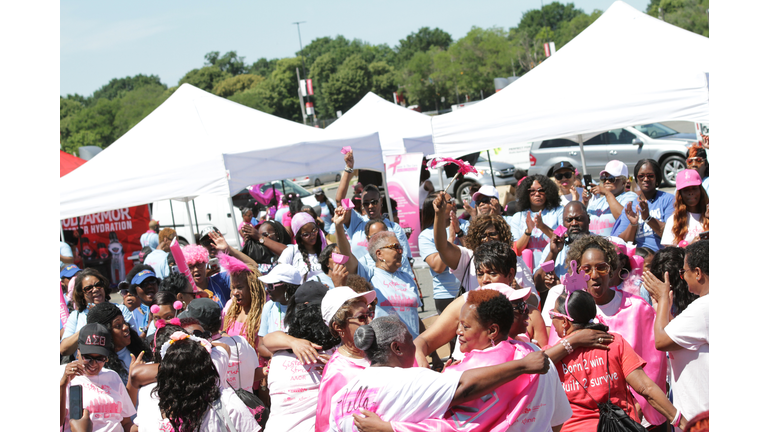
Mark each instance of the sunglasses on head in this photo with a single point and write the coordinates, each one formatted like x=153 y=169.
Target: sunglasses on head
x=560 y=176
x=90 y=288
x=608 y=179
x=272 y=286
x=601 y=268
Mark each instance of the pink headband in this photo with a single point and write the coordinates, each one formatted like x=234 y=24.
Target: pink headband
x=231 y=264
x=302 y=218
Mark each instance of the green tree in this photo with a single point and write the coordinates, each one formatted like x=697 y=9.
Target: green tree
x=229 y=62
x=118 y=87
x=91 y=126
x=567 y=31
x=423 y=85
x=236 y=84
x=262 y=67
x=252 y=98
x=320 y=73
x=279 y=92
x=421 y=41
x=134 y=106
x=691 y=15
x=383 y=79
x=205 y=78
x=349 y=84
x=555 y=14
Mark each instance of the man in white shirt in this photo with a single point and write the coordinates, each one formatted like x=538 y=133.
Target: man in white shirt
x=686 y=337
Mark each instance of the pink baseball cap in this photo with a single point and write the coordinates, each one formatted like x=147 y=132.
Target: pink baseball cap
x=615 y=168
x=687 y=178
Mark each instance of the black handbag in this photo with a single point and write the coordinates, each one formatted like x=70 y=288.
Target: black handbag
x=249 y=399
x=612 y=417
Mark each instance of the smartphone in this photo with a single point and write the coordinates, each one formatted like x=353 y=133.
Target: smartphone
x=75 y=402
x=704 y=235
x=587 y=180
x=213 y=264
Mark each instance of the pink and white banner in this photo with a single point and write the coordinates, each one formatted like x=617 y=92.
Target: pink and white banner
x=403 y=187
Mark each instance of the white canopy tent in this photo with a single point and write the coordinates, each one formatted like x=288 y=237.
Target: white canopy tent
x=400 y=130
x=627 y=68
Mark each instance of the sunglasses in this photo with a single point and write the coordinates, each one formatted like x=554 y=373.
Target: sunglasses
x=271 y=287
x=365 y=318
x=486 y=235
x=646 y=176
x=560 y=176
x=370 y=203
x=682 y=272
x=535 y=191
x=90 y=288
x=205 y=334
x=553 y=315
x=520 y=307
x=696 y=159
x=309 y=234
x=89 y=358
x=147 y=283
x=608 y=179
x=601 y=268
x=484 y=200
x=394 y=246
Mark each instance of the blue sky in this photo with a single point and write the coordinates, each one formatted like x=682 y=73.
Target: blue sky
x=105 y=40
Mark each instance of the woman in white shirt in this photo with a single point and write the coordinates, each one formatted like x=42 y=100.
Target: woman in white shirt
x=691 y=215
x=310 y=241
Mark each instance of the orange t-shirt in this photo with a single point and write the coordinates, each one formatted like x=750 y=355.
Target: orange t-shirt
x=588 y=366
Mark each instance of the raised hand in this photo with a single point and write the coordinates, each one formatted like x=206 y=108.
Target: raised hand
x=633 y=217
x=219 y=241
x=656 y=288
x=529 y=222
x=339 y=275
x=643 y=208
x=349 y=159
x=556 y=244
x=338 y=214
x=585 y=196
x=440 y=204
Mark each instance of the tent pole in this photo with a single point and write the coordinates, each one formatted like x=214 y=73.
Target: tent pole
x=493 y=177
x=440 y=176
x=189 y=218
x=173 y=218
x=194 y=210
x=232 y=212
x=583 y=160
x=61 y=227
x=386 y=196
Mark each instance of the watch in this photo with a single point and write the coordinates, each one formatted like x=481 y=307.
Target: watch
x=349 y=170
x=261 y=240
x=648 y=220
x=460 y=234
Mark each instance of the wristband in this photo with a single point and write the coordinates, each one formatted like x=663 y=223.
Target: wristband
x=527 y=233
x=349 y=170
x=567 y=345
x=460 y=234
x=677 y=419
x=648 y=220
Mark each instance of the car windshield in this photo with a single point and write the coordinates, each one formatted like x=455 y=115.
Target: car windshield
x=290 y=187
x=656 y=130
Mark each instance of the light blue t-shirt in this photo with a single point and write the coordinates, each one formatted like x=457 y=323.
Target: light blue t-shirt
x=324 y=279
x=560 y=266
x=272 y=318
x=325 y=214
x=553 y=218
x=64 y=250
x=601 y=219
x=359 y=244
x=158 y=260
x=140 y=317
x=444 y=285
x=78 y=320
x=397 y=294
x=660 y=208
x=150 y=239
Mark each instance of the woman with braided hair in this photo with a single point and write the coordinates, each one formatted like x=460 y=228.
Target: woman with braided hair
x=243 y=312
x=310 y=241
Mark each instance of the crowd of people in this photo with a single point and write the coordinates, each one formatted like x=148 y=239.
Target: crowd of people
x=313 y=323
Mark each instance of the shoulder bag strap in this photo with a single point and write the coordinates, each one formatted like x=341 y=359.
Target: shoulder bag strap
x=565 y=367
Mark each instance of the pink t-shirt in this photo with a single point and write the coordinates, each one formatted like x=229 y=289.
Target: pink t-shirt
x=336 y=374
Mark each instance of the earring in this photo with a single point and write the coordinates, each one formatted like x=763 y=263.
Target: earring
x=341 y=334
x=623 y=274
x=493 y=343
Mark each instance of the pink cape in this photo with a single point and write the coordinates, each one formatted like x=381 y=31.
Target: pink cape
x=496 y=411
x=634 y=322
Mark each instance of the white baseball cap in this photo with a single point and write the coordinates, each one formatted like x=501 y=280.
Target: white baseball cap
x=335 y=298
x=282 y=273
x=509 y=292
x=486 y=190
x=615 y=168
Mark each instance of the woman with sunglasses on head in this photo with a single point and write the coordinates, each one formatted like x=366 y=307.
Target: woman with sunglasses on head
x=625 y=313
x=697 y=160
x=610 y=198
x=642 y=221
x=310 y=241
x=623 y=366
x=691 y=215
x=103 y=392
x=539 y=213
x=395 y=289
x=91 y=288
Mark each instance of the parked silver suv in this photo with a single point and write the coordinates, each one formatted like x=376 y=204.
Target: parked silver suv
x=629 y=145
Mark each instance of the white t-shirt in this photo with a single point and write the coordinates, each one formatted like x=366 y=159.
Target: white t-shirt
x=241 y=417
x=395 y=394
x=293 y=388
x=566 y=198
x=158 y=260
x=221 y=362
x=292 y=256
x=690 y=365
x=694 y=228
x=549 y=407
x=612 y=307
x=105 y=397
x=242 y=358
x=148 y=417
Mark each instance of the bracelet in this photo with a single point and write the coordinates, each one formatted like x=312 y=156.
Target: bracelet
x=527 y=233
x=567 y=346
x=634 y=225
x=649 y=219
x=677 y=419
x=349 y=170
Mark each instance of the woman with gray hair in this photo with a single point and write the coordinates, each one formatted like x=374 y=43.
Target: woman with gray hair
x=396 y=290
x=401 y=393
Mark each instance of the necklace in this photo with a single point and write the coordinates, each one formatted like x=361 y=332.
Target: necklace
x=349 y=353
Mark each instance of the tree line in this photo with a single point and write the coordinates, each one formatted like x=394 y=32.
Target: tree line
x=426 y=68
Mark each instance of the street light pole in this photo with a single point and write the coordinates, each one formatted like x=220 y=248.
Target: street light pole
x=301 y=48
